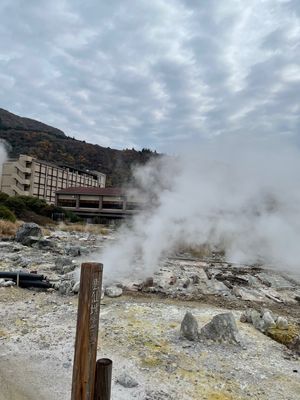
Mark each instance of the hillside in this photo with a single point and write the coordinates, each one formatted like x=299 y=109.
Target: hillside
x=27 y=136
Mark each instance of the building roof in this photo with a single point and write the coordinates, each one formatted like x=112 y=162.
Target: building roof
x=93 y=191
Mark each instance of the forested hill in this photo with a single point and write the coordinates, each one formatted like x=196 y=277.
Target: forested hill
x=27 y=136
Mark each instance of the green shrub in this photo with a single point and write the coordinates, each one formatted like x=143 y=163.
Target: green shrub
x=51 y=209
x=70 y=216
x=20 y=205
x=15 y=204
x=7 y=214
x=34 y=204
x=3 y=197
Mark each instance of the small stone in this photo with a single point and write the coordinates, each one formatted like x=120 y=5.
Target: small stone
x=195 y=279
x=282 y=323
x=76 y=251
x=157 y=395
x=65 y=287
x=68 y=268
x=126 y=380
x=189 y=327
x=257 y=321
x=113 y=291
x=246 y=316
x=252 y=281
x=186 y=283
x=46 y=244
x=64 y=265
x=75 y=288
x=7 y=284
x=268 y=321
x=30 y=241
x=222 y=329
x=265 y=310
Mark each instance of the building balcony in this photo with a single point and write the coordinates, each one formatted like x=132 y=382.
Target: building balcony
x=23 y=169
x=21 y=180
x=20 y=191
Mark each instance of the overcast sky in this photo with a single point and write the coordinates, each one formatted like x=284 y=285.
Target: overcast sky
x=141 y=73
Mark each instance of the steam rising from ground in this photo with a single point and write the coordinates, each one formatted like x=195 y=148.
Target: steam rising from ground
x=243 y=197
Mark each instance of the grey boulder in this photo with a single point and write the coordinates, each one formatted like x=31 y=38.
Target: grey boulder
x=26 y=230
x=64 y=265
x=189 y=327
x=221 y=329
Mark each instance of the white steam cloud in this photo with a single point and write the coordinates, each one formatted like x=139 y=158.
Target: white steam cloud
x=242 y=196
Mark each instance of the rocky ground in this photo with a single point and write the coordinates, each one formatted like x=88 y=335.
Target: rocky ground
x=141 y=329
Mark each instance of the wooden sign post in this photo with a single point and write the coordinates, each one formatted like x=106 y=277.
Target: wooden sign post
x=87 y=331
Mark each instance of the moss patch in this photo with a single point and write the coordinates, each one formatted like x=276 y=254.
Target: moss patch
x=284 y=336
x=2 y=333
x=219 y=396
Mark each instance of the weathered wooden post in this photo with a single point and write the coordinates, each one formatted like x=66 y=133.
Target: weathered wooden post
x=87 y=331
x=103 y=379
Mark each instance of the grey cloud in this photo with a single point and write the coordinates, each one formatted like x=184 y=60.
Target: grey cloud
x=146 y=74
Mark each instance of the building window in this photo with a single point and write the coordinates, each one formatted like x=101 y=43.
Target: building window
x=89 y=203
x=66 y=203
x=112 y=203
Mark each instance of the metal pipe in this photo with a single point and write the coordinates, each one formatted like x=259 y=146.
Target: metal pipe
x=37 y=284
x=22 y=276
x=103 y=379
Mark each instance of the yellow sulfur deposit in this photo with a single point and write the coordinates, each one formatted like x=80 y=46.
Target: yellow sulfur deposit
x=284 y=336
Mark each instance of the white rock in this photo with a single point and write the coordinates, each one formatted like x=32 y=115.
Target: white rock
x=75 y=288
x=282 y=323
x=268 y=320
x=113 y=291
x=126 y=380
x=7 y=283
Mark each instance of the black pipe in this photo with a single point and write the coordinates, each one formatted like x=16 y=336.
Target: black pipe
x=22 y=276
x=37 y=284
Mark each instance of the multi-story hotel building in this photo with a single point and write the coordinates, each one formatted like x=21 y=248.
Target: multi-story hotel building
x=28 y=176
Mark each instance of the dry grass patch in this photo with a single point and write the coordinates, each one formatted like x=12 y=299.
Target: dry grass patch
x=8 y=229
x=89 y=228
x=198 y=251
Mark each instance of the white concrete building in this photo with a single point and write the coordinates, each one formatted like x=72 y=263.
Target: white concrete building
x=28 y=176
